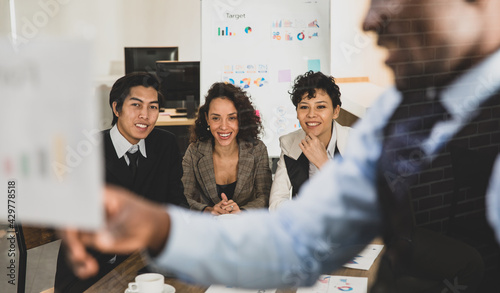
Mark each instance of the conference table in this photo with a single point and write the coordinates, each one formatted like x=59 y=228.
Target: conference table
x=117 y=280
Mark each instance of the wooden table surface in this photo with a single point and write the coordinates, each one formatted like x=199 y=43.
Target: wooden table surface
x=117 y=280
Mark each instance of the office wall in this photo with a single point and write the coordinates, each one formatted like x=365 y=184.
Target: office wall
x=112 y=25
x=4 y=17
x=354 y=52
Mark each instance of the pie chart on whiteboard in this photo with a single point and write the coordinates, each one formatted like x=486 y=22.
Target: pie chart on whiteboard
x=248 y=30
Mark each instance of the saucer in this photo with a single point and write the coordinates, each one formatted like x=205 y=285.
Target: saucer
x=166 y=289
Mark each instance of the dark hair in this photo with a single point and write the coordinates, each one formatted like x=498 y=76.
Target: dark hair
x=121 y=89
x=249 y=123
x=309 y=82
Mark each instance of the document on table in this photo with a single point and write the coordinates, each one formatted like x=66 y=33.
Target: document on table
x=365 y=259
x=224 y=289
x=50 y=155
x=327 y=283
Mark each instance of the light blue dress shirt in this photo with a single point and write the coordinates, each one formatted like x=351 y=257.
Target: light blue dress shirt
x=337 y=208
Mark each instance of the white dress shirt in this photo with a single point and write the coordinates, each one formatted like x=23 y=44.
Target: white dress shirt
x=122 y=145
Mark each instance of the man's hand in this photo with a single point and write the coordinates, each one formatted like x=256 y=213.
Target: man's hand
x=132 y=224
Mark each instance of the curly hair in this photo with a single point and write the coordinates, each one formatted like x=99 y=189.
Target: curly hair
x=249 y=123
x=309 y=82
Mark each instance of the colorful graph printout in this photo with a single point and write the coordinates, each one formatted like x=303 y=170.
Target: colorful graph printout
x=246 y=76
x=325 y=284
x=365 y=259
x=297 y=30
x=51 y=148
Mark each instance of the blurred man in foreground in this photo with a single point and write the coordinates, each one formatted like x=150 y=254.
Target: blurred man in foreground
x=445 y=56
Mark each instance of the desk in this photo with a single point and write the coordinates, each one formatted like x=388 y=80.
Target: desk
x=178 y=126
x=117 y=280
x=165 y=119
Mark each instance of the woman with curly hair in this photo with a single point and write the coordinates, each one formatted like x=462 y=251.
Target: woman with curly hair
x=303 y=152
x=226 y=167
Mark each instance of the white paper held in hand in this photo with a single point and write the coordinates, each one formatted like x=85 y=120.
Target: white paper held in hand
x=51 y=142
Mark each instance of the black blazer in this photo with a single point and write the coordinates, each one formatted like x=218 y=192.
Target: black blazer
x=158 y=176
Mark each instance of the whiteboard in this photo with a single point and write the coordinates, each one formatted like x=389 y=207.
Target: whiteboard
x=261 y=46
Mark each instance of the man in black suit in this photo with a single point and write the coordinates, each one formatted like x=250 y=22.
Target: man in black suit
x=135 y=100
x=138 y=157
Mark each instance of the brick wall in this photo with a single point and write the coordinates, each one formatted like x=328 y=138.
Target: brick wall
x=432 y=195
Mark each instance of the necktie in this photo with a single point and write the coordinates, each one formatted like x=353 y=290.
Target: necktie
x=401 y=161
x=298 y=171
x=133 y=162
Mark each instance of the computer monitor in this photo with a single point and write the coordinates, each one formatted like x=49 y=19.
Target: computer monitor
x=144 y=58
x=180 y=83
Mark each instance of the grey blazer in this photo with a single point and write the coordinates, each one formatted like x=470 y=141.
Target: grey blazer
x=253 y=178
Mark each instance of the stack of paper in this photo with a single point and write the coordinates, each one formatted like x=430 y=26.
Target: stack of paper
x=325 y=284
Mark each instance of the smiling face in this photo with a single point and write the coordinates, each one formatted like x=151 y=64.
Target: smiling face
x=427 y=40
x=222 y=119
x=139 y=113
x=316 y=114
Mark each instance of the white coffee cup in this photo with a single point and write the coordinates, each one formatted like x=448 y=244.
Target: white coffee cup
x=147 y=283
